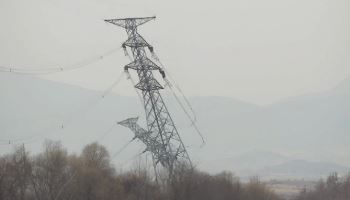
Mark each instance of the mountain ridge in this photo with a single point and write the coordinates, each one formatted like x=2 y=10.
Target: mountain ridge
x=316 y=126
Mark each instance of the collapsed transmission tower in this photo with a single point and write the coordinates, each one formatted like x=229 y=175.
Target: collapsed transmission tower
x=161 y=137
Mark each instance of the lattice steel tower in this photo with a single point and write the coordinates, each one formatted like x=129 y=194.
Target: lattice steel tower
x=161 y=137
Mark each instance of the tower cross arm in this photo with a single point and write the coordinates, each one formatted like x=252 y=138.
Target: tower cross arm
x=129 y=22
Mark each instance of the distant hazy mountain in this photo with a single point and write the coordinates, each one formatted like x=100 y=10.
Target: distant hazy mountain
x=298 y=169
x=343 y=86
x=313 y=126
x=270 y=165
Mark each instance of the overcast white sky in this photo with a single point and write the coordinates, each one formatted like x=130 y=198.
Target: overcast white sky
x=254 y=50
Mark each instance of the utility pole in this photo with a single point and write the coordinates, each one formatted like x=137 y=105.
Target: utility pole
x=161 y=136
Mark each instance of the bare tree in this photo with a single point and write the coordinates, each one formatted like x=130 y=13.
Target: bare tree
x=15 y=170
x=55 y=175
x=50 y=171
x=333 y=189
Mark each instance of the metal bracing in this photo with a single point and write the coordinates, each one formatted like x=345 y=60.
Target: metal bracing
x=161 y=137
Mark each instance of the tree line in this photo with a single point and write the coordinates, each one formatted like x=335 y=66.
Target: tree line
x=54 y=174
x=334 y=188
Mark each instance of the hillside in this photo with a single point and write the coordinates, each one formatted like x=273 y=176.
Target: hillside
x=309 y=127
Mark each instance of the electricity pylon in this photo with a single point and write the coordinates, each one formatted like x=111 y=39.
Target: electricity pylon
x=161 y=136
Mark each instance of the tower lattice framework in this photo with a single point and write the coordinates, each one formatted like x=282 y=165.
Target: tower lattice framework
x=161 y=136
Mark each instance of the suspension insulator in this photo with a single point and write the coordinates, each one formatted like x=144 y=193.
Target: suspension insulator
x=126 y=69
x=161 y=71
x=124 y=49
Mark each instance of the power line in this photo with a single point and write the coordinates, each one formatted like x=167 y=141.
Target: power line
x=154 y=56
x=30 y=139
x=71 y=178
x=129 y=77
x=193 y=121
x=121 y=149
x=114 y=84
x=34 y=139
x=51 y=70
x=131 y=159
x=105 y=133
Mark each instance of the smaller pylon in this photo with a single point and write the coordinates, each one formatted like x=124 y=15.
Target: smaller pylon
x=152 y=144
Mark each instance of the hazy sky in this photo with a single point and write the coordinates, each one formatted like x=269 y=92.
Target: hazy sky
x=257 y=51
